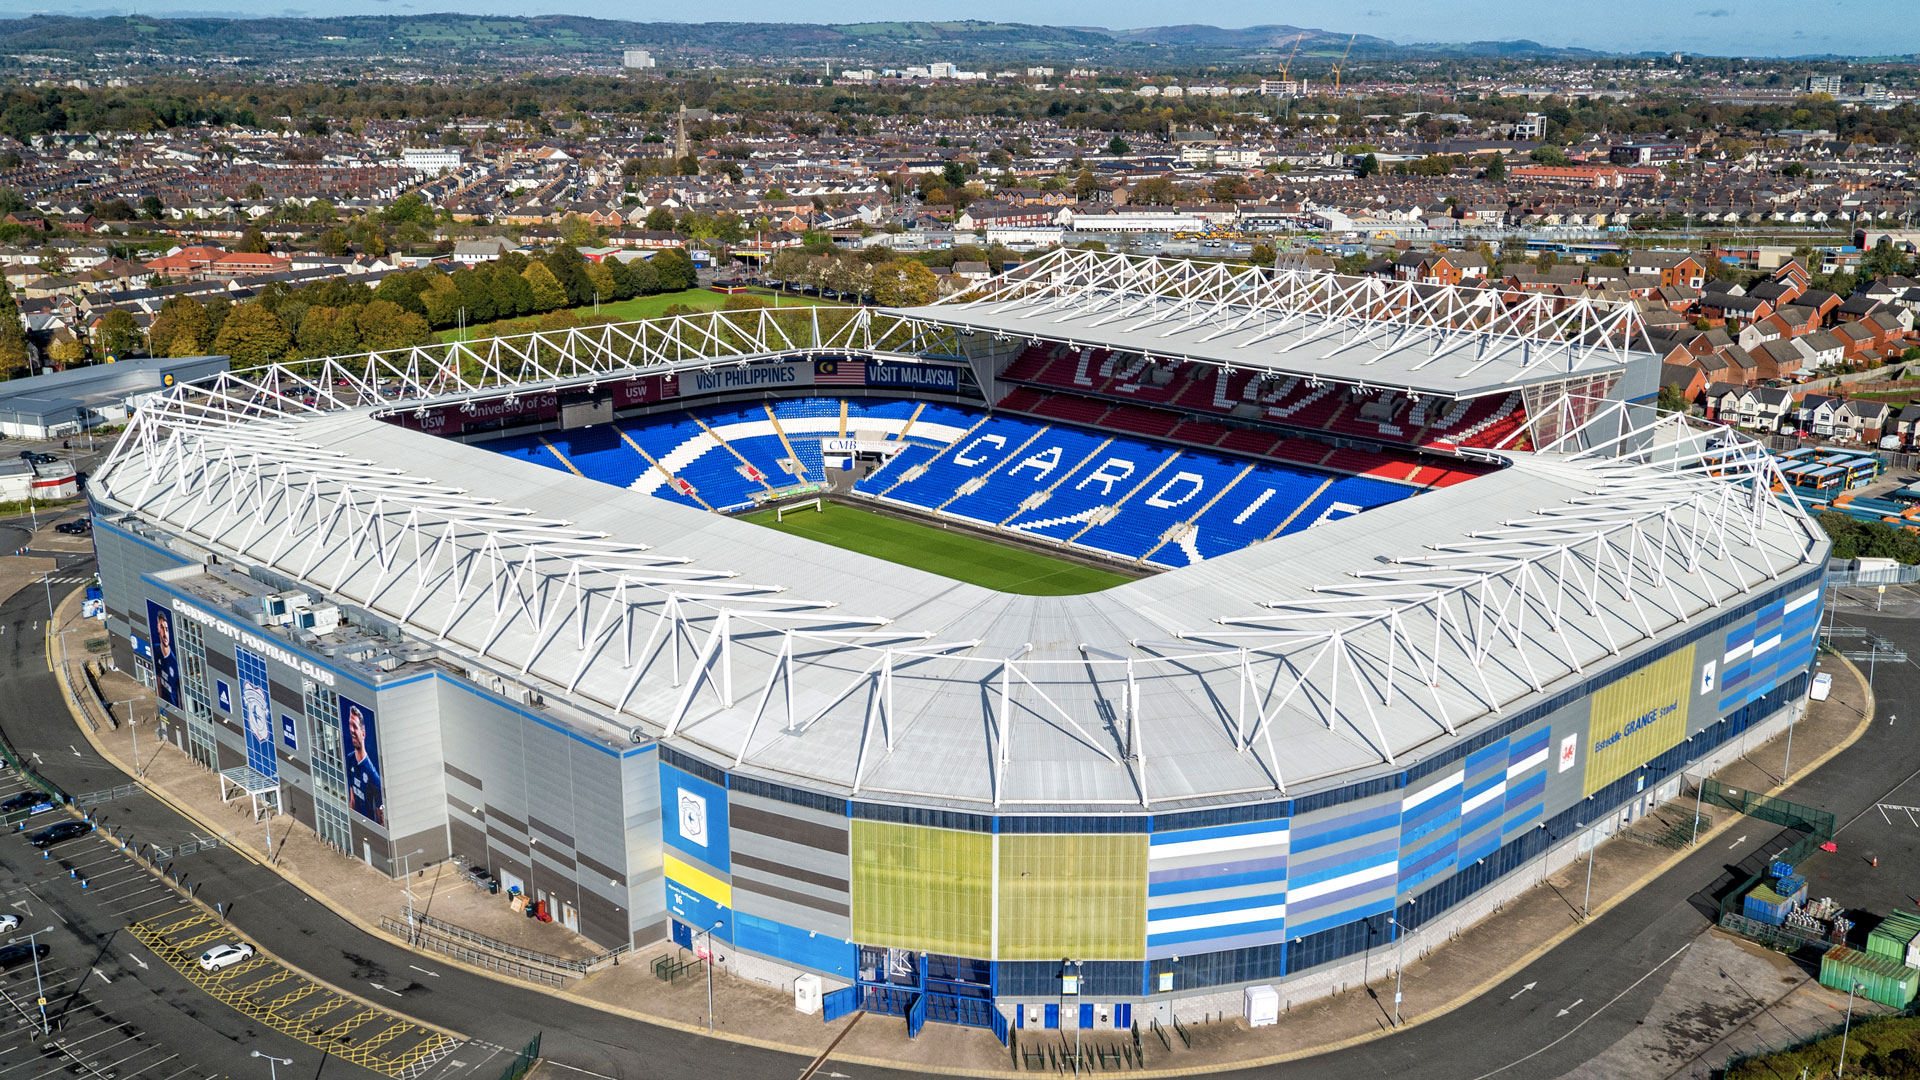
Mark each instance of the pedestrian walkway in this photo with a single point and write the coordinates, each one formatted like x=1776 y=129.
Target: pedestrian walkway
x=1439 y=974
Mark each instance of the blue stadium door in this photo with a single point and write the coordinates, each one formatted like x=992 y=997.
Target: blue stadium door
x=839 y=1003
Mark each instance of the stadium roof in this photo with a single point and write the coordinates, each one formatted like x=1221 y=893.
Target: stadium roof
x=1443 y=340
x=1296 y=664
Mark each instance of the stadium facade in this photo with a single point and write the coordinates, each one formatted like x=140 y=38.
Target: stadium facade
x=1429 y=601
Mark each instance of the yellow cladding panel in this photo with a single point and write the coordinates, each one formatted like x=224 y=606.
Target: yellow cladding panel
x=1636 y=719
x=1083 y=896
x=921 y=888
x=694 y=879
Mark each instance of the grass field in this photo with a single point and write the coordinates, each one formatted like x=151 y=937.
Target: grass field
x=946 y=552
x=640 y=307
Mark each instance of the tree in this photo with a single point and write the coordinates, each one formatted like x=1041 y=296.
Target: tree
x=569 y=269
x=442 y=301
x=70 y=352
x=1548 y=155
x=409 y=207
x=675 y=269
x=253 y=335
x=606 y=286
x=153 y=208
x=1262 y=255
x=1369 y=166
x=905 y=283
x=688 y=166
x=181 y=329
x=788 y=265
x=334 y=242
x=1084 y=185
x=255 y=191
x=1497 y=168
x=13 y=335
x=328 y=331
x=1118 y=147
x=547 y=291
x=253 y=241
x=386 y=325
x=1671 y=399
x=118 y=334
x=577 y=231
x=659 y=219
x=954 y=174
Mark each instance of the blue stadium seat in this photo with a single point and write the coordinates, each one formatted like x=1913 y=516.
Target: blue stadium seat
x=1180 y=492
x=1058 y=457
x=972 y=456
x=1106 y=478
x=1024 y=456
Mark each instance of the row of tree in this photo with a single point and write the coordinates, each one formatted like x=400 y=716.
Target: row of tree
x=341 y=317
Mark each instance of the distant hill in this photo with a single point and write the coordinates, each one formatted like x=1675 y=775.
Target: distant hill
x=473 y=38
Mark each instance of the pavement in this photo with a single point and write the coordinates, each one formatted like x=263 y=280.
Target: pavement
x=1536 y=991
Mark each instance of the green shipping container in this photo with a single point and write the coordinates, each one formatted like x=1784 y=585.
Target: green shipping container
x=1894 y=936
x=1879 y=978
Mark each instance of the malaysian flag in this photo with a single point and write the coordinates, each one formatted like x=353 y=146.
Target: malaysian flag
x=840 y=372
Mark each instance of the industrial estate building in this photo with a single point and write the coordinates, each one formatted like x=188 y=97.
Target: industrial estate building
x=1425 y=603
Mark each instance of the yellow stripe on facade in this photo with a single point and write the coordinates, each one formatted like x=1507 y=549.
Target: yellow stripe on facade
x=694 y=879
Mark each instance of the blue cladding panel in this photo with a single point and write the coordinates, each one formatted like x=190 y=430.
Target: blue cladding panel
x=779 y=941
x=1526 y=782
x=1777 y=643
x=1354 y=873
x=1217 y=887
x=1430 y=830
x=693 y=818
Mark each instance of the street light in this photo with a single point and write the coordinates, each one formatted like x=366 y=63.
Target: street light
x=1593 y=848
x=406 y=882
x=1852 y=989
x=273 y=1064
x=710 y=930
x=39 y=989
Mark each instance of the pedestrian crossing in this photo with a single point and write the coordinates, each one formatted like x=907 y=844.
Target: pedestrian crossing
x=69 y=579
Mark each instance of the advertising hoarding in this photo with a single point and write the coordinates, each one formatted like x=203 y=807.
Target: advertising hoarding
x=360 y=741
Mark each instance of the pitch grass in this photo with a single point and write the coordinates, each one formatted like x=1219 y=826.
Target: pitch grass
x=946 y=552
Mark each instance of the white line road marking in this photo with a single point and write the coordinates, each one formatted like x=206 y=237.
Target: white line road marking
x=435 y=974
x=1570 y=1008
x=1522 y=990
x=395 y=993
x=136 y=959
x=102 y=974
x=1568 y=1034
x=574 y=1068
x=1736 y=843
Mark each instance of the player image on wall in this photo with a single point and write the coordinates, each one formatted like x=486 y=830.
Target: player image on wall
x=365 y=789
x=166 y=655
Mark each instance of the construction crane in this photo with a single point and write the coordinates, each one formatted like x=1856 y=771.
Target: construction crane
x=1342 y=63
x=1290 y=56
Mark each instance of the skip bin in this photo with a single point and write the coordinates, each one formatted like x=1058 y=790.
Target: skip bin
x=1880 y=979
x=1894 y=937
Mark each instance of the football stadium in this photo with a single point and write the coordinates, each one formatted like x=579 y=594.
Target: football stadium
x=1079 y=649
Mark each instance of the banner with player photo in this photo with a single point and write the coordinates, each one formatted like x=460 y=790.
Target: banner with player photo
x=166 y=653
x=360 y=739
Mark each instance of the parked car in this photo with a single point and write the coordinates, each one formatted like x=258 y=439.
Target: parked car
x=15 y=955
x=36 y=458
x=59 y=833
x=9 y=923
x=32 y=802
x=225 y=956
x=81 y=527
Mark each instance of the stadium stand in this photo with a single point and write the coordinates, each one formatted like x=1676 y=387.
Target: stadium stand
x=1120 y=479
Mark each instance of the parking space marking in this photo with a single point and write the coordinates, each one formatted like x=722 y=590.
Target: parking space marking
x=290 y=1002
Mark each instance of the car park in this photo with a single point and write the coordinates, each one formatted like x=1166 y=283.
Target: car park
x=60 y=832
x=225 y=956
x=15 y=955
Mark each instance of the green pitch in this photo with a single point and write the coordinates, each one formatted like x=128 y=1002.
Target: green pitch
x=946 y=552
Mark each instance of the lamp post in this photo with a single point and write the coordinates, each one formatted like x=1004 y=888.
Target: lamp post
x=273 y=1064
x=1592 y=848
x=1400 y=966
x=405 y=881
x=1075 y=966
x=39 y=989
x=1852 y=989
x=710 y=931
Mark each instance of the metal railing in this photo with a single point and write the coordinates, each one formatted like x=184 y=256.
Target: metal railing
x=422 y=938
x=1814 y=826
x=106 y=795
x=523 y=1062
x=461 y=933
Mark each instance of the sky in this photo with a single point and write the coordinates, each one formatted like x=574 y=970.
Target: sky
x=1717 y=27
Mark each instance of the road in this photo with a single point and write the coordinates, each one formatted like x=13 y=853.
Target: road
x=1549 y=1018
